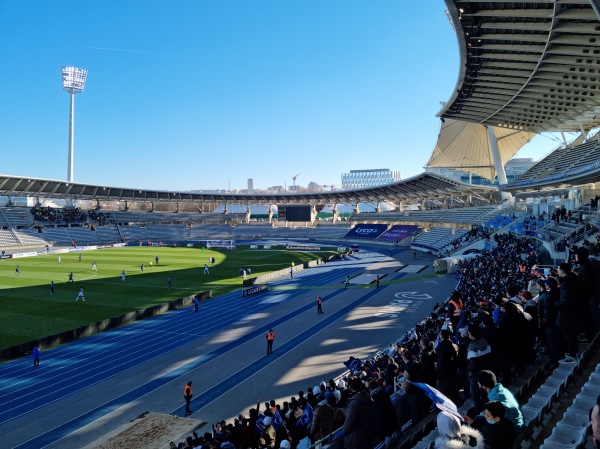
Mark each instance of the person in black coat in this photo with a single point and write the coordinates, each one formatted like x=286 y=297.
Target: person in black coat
x=389 y=419
x=447 y=355
x=498 y=431
x=568 y=317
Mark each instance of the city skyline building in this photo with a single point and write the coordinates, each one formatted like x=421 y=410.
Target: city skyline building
x=360 y=179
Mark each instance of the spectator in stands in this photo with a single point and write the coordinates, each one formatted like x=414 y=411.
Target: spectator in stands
x=496 y=392
x=447 y=354
x=498 y=431
x=267 y=436
x=387 y=411
x=479 y=355
x=357 y=435
x=590 y=283
x=554 y=336
x=322 y=423
x=569 y=310
x=427 y=358
x=453 y=435
x=412 y=403
x=453 y=308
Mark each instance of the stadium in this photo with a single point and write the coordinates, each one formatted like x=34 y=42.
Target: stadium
x=186 y=287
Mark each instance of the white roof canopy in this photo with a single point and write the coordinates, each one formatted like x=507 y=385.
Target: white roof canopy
x=466 y=146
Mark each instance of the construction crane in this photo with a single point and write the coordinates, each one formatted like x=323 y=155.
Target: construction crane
x=294 y=179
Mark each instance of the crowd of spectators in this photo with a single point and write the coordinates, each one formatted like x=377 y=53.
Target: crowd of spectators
x=58 y=215
x=470 y=348
x=98 y=217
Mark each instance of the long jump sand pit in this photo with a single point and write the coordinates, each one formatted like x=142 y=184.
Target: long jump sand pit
x=153 y=430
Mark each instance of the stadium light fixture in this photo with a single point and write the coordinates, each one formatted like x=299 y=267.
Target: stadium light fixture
x=73 y=81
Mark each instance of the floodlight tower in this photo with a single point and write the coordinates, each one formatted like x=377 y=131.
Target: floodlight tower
x=73 y=80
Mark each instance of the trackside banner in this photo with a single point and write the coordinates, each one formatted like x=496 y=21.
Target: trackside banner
x=303 y=247
x=253 y=290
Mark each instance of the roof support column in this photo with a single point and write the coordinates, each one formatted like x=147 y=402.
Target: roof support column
x=496 y=155
x=270 y=213
x=248 y=214
x=313 y=213
x=336 y=213
x=378 y=207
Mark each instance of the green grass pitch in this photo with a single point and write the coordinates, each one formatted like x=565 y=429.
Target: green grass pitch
x=28 y=311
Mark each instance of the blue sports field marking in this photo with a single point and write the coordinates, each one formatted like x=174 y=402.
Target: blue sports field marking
x=237 y=378
x=71 y=426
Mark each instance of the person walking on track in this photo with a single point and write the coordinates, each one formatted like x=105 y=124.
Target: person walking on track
x=270 y=338
x=319 y=306
x=187 y=395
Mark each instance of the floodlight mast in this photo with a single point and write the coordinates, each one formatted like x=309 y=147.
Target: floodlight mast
x=73 y=80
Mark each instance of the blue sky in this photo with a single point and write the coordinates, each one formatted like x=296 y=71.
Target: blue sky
x=204 y=94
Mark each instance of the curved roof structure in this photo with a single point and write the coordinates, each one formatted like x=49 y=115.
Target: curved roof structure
x=531 y=66
x=418 y=187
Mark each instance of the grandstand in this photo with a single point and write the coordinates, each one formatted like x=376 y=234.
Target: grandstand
x=549 y=86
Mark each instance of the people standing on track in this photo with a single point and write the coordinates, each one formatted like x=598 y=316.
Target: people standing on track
x=377 y=281
x=206 y=269
x=70 y=277
x=123 y=276
x=36 y=356
x=17 y=270
x=292 y=272
x=347 y=281
x=196 y=304
x=156 y=260
x=59 y=258
x=414 y=253
x=151 y=263
x=187 y=395
x=170 y=281
x=79 y=257
x=52 y=288
x=80 y=295
x=94 y=266
x=142 y=267
x=319 y=306
x=244 y=274
x=270 y=338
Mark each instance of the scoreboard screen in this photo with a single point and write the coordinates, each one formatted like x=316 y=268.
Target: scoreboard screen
x=287 y=212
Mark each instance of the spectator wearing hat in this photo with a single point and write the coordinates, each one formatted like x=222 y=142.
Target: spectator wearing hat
x=267 y=436
x=454 y=435
x=322 y=423
x=569 y=310
x=496 y=392
x=285 y=444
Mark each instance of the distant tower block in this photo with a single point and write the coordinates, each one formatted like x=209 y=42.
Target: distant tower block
x=250 y=186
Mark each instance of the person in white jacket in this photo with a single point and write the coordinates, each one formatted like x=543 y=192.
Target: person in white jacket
x=454 y=435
